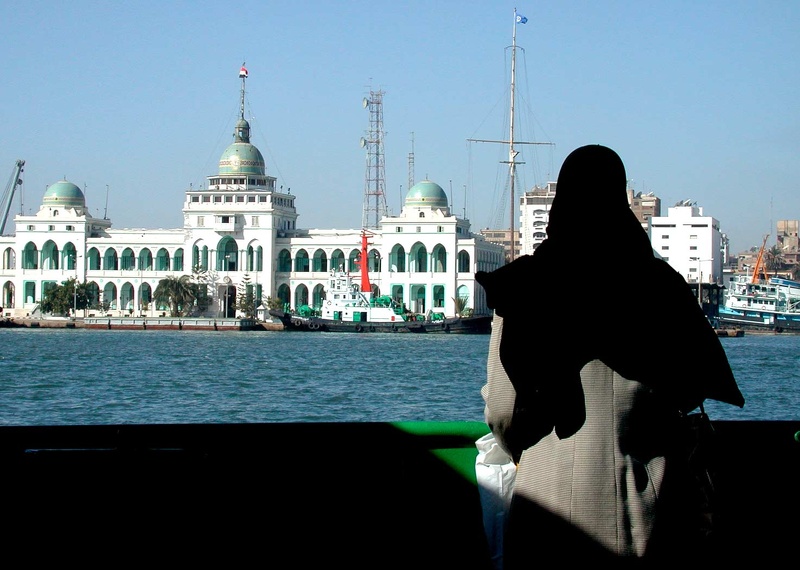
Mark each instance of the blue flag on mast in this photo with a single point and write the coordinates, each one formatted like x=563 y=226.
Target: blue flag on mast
x=521 y=19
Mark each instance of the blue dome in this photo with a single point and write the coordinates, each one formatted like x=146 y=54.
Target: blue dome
x=427 y=194
x=64 y=193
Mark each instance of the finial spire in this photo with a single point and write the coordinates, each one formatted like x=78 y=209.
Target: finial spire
x=243 y=75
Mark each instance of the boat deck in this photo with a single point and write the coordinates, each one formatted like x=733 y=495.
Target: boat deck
x=362 y=495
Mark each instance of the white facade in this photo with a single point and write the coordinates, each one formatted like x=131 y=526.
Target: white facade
x=690 y=242
x=240 y=232
x=534 y=215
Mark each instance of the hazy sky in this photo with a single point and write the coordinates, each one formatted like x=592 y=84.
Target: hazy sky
x=135 y=101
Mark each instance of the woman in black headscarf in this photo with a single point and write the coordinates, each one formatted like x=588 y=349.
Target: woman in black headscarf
x=597 y=349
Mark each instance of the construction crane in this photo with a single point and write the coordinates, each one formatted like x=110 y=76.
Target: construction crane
x=8 y=195
x=760 y=266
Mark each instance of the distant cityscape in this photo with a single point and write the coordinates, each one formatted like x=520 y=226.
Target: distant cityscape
x=688 y=239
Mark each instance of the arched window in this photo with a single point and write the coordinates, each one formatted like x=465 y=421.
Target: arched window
x=93 y=259
x=178 y=259
x=397 y=259
x=70 y=257
x=30 y=257
x=463 y=262
x=320 y=261
x=284 y=261
x=227 y=255
x=352 y=261
x=9 y=261
x=110 y=260
x=146 y=260
x=439 y=259
x=301 y=263
x=162 y=260
x=337 y=260
x=374 y=261
x=438 y=296
x=419 y=258
x=284 y=294
x=127 y=260
x=50 y=255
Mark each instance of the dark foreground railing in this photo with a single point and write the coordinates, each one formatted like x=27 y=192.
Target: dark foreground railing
x=352 y=495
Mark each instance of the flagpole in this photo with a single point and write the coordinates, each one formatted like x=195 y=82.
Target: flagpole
x=512 y=154
x=243 y=75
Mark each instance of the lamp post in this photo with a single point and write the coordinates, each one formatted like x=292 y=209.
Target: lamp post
x=75 y=289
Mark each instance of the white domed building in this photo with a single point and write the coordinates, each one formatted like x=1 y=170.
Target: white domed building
x=240 y=233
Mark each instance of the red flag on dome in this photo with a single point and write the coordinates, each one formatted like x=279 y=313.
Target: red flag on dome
x=243 y=72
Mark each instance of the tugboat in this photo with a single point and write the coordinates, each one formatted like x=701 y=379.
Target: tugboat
x=352 y=307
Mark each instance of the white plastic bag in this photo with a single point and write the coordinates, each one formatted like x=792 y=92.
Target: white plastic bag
x=495 y=472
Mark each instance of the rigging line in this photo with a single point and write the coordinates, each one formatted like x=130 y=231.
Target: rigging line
x=274 y=163
x=206 y=168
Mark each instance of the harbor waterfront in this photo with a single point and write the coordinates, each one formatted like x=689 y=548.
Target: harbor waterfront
x=84 y=376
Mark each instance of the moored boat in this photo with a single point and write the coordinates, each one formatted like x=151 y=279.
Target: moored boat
x=772 y=305
x=755 y=302
x=354 y=307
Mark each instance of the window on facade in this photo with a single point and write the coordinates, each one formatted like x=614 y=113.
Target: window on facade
x=51 y=228
x=228 y=199
x=195 y=199
x=665 y=237
x=206 y=199
x=217 y=199
x=240 y=198
x=419 y=229
x=201 y=221
x=251 y=198
x=262 y=198
x=31 y=228
x=70 y=228
x=692 y=248
x=397 y=229
x=664 y=247
x=254 y=221
x=439 y=229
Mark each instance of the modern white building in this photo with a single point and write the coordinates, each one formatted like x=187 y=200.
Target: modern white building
x=690 y=242
x=240 y=232
x=534 y=208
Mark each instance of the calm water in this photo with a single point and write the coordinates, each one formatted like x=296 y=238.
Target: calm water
x=59 y=377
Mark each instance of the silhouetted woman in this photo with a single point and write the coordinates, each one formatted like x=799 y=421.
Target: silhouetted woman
x=597 y=349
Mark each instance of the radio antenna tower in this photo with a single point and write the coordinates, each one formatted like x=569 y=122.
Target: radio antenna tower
x=375 y=179
x=411 y=164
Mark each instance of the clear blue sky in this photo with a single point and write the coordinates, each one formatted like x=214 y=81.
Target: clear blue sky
x=137 y=100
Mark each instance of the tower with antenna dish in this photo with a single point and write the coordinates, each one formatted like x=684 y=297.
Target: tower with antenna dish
x=374 y=207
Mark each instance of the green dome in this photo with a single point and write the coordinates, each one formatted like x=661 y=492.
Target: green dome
x=242 y=158
x=64 y=193
x=427 y=194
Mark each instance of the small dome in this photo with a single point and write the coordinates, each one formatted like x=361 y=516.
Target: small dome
x=65 y=194
x=242 y=158
x=427 y=194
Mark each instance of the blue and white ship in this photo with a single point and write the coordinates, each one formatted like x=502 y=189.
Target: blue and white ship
x=759 y=304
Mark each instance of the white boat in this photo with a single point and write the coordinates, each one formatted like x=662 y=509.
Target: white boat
x=773 y=304
x=353 y=307
x=756 y=302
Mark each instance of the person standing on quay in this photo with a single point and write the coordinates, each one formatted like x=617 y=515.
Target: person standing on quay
x=591 y=411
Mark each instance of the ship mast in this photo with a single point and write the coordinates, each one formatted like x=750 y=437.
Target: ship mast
x=512 y=151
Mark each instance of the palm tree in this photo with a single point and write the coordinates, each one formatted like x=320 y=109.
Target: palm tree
x=176 y=292
x=774 y=259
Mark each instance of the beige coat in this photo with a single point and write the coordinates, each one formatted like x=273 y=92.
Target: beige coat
x=592 y=495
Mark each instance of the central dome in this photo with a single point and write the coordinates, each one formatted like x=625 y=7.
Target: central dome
x=242 y=158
